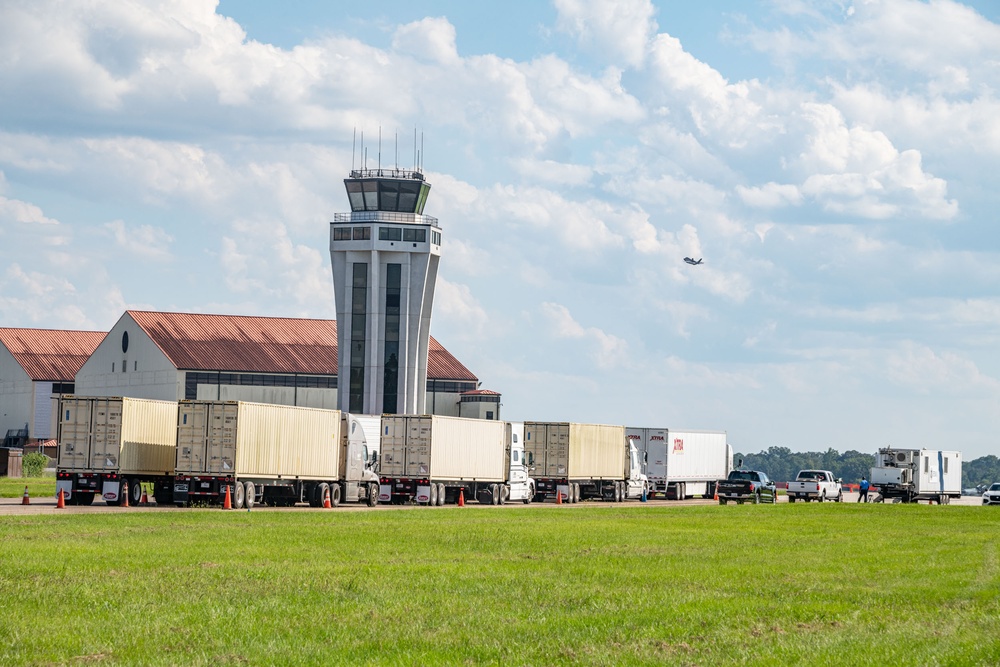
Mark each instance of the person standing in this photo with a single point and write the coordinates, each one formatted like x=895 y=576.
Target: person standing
x=863 y=488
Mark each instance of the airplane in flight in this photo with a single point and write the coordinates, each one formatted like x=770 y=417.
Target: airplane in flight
x=693 y=262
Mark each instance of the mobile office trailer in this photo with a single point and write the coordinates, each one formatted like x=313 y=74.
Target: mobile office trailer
x=108 y=442
x=434 y=459
x=681 y=464
x=274 y=454
x=581 y=461
x=909 y=475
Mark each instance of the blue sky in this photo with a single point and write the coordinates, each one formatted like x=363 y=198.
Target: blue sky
x=834 y=163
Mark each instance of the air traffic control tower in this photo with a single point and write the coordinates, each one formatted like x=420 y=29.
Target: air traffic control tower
x=385 y=256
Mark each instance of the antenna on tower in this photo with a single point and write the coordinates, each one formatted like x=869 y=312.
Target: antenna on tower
x=421 y=152
x=414 y=148
x=380 y=148
x=396 y=164
x=364 y=153
x=354 y=143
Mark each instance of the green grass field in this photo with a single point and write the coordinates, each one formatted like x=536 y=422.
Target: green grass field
x=602 y=585
x=37 y=486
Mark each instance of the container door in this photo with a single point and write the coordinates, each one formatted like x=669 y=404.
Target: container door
x=192 y=436
x=418 y=447
x=393 y=443
x=74 y=433
x=557 y=450
x=105 y=449
x=222 y=432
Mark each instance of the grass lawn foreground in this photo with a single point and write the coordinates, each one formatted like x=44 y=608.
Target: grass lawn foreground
x=597 y=585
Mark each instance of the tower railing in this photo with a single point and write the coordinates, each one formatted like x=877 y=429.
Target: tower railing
x=386 y=216
x=387 y=173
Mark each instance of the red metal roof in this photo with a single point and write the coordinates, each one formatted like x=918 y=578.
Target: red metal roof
x=480 y=392
x=49 y=355
x=264 y=344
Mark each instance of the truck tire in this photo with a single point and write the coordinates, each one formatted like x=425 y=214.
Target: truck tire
x=433 y=500
x=84 y=498
x=528 y=498
x=756 y=499
x=822 y=497
x=372 y=499
x=504 y=494
x=494 y=495
x=840 y=496
x=238 y=496
x=134 y=492
x=335 y=495
x=722 y=501
x=249 y=495
x=791 y=499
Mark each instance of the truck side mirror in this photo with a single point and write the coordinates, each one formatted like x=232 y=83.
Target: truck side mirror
x=374 y=457
x=531 y=458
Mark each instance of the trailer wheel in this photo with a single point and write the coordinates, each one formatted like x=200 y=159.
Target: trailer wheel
x=84 y=498
x=249 y=495
x=372 y=494
x=433 y=501
x=134 y=492
x=239 y=494
x=494 y=495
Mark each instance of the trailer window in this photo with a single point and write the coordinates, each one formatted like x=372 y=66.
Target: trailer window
x=927 y=464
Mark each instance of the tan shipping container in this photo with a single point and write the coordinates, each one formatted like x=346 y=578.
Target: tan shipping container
x=577 y=451
x=444 y=448
x=257 y=440
x=117 y=434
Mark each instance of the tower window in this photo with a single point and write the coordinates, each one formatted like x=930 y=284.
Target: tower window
x=359 y=316
x=418 y=235
x=390 y=234
x=362 y=233
x=390 y=377
x=341 y=233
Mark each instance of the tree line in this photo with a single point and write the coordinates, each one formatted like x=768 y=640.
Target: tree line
x=782 y=465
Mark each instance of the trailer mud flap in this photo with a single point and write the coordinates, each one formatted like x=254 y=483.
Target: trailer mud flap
x=111 y=489
x=384 y=493
x=423 y=494
x=66 y=486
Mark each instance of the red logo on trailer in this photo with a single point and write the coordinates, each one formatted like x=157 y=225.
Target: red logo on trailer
x=678 y=445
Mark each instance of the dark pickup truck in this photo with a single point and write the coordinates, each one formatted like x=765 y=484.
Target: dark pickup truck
x=742 y=485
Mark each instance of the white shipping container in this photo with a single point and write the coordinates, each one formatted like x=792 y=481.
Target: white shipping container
x=577 y=451
x=257 y=440
x=684 y=456
x=130 y=436
x=443 y=448
x=940 y=472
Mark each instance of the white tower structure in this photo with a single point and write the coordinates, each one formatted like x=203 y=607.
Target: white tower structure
x=385 y=256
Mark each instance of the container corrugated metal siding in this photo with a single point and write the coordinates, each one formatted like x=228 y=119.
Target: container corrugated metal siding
x=258 y=440
x=124 y=435
x=443 y=448
x=577 y=451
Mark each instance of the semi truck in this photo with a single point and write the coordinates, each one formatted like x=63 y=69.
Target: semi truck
x=106 y=443
x=680 y=464
x=433 y=460
x=582 y=461
x=278 y=455
x=909 y=475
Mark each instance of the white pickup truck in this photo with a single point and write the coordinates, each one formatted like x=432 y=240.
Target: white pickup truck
x=818 y=485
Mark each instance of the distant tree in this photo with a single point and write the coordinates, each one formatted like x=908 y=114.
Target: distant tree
x=782 y=464
x=984 y=470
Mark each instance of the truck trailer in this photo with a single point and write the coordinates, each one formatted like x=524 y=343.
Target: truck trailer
x=681 y=464
x=909 y=475
x=581 y=461
x=106 y=443
x=433 y=460
x=278 y=455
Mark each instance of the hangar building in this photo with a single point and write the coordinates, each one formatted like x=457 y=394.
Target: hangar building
x=34 y=365
x=288 y=361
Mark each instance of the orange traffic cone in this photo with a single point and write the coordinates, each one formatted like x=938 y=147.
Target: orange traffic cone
x=461 y=497
x=125 y=493
x=61 y=503
x=326 y=500
x=145 y=499
x=558 y=497
x=716 y=496
x=227 y=504
x=25 y=499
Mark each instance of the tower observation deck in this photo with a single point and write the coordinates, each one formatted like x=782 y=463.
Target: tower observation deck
x=385 y=256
